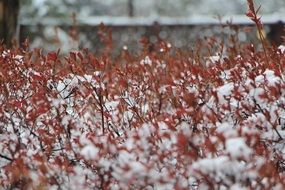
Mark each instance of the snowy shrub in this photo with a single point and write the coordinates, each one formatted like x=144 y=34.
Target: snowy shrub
x=153 y=120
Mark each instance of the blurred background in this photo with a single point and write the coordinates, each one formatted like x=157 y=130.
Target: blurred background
x=72 y=24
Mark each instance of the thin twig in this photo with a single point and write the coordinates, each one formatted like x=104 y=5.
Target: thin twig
x=6 y=157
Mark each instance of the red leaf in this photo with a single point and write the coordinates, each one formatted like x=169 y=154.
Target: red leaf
x=80 y=56
x=181 y=140
x=37 y=77
x=250 y=15
x=210 y=145
x=72 y=55
x=52 y=56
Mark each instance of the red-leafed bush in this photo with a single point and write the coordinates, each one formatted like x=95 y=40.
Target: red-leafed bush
x=165 y=119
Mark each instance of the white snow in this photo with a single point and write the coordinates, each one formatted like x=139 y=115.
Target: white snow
x=90 y=152
x=282 y=48
x=226 y=129
x=225 y=91
x=256 y=93
x=237 y=148
x=272 y=79
x=146 y=61
x=221 y=167
x=112 y=105
x=211 y=60
x=60 y=87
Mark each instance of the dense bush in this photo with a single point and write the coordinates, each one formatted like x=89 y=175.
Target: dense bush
x=160 y=119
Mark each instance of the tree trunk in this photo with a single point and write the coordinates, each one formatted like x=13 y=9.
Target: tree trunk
x=9 y=13
x=131 y=8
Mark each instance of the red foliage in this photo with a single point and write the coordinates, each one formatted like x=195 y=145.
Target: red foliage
x=153 y=120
